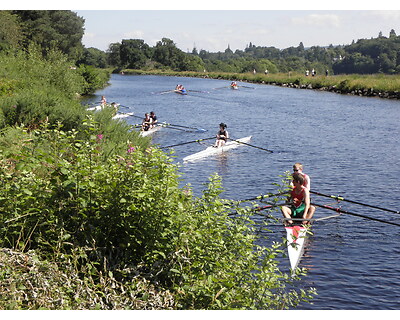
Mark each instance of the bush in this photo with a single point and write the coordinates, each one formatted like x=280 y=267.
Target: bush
x=128 y=216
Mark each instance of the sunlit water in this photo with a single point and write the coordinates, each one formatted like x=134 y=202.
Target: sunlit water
x=348 y=145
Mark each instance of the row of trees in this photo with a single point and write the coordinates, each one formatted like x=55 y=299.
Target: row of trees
x=64 y=30
x=366 y=56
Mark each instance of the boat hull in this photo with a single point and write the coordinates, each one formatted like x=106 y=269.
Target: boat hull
x=211 y=150
x=180 y=92
x=296 y=238
x=150 y=131
x=123 y=115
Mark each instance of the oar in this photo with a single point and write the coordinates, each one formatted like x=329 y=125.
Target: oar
x=180 y=126
x=246 y=87
x=250 y=145
x=339 y=198
x=197 y=91
x=183 y=143
x=265 y=196
x=221 y=88
x=164 y=92
x=168 y=127
x=355 y=214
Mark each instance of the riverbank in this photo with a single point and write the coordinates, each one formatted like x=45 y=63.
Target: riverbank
x=379 y=85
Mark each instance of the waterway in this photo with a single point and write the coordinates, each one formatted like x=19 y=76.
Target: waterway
x=348 y=145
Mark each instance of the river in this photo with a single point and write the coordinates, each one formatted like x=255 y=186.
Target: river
x=348 y=145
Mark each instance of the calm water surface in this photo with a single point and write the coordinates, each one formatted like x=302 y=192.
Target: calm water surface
x=348 y=145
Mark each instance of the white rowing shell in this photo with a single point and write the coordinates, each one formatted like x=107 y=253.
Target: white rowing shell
x=212 y=150
x=123 y=115
x=296 y=237
x=150 y=131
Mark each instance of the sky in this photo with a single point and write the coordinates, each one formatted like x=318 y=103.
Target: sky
x=215 y=25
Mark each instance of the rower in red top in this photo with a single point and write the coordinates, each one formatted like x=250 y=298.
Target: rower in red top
x=299 y=201
x=298 y=168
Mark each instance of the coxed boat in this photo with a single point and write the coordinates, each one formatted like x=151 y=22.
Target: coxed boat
x=213 y=150
x=296 y=237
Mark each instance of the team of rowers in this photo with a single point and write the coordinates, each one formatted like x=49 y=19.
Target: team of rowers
x=299 y=203
x=180 y=88
x=149 y=121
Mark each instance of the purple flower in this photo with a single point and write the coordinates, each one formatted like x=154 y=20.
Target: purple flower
x=131 y=149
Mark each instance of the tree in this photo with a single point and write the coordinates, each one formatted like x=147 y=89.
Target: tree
x=114 y=54
x=392 y=34
x=134 y=53
x=166 y=53
x=53 y=28
x=93 y=57
x=10 y=31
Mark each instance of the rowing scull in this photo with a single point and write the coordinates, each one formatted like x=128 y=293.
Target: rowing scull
x=296 y=236
x=122 y=115
x=212 y=150
x=150 y=131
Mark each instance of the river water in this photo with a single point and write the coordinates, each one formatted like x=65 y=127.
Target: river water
x=349 y=146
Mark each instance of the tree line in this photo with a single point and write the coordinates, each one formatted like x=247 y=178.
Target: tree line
x=365 y=56
x=64 y=29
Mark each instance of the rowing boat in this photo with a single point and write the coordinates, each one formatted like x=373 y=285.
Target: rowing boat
x=123 y=115
x=102 y=106
x=296 y=236
x=150 y=131
x=181 y=91
x=212 y=150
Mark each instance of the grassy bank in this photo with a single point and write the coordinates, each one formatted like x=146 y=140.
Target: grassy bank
x=378 y=85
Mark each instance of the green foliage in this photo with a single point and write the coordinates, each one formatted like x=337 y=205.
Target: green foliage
x=61 y=29
x=134 y=53
x=93 y=57
x=27 y=282
x=127 y=215
x=36 y=88
x=10 y=31
x=93 y=78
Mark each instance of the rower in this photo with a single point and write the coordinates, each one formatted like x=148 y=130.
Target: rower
x=180 y=88
x=222 y=135
x=146 y=123
x=153 y=118
x=298 y=168
x=299 y=207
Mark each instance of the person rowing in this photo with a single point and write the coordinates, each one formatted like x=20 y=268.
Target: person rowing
x=180 y=88
x=298 y=168
x=154 y=120
x=147 y=122
x=222 y=135
x=234 y=85
x=299 y=201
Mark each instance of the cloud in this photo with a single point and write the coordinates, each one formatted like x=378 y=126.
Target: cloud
x=317 y=20
x=384 y=14
x=135 y=34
